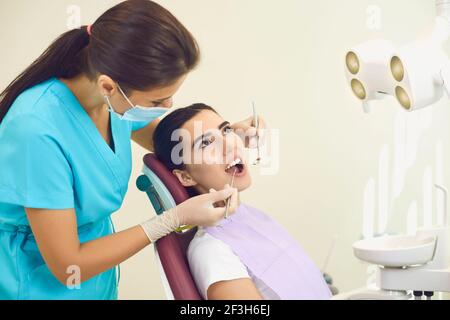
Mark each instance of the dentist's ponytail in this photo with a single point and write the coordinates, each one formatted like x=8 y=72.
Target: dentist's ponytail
x=137 y=43
x=61 y=59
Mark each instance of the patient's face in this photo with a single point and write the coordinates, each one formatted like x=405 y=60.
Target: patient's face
x=216 y=153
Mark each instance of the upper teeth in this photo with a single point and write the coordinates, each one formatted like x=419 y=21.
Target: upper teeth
x=235 y=162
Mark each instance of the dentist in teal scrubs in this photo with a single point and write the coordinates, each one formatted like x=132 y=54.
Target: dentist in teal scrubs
x=66 y=125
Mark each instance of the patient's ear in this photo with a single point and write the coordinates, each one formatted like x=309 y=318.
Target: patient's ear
x=185 y=178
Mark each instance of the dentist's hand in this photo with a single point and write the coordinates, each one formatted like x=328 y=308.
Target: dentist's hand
x=247 y=131
x=203 y=211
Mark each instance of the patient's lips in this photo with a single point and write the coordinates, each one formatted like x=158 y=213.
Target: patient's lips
x=236 y=167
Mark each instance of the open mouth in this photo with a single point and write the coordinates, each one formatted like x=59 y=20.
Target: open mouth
x=235 y=167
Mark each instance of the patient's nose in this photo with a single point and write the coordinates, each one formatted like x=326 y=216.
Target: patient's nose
x=230 y=145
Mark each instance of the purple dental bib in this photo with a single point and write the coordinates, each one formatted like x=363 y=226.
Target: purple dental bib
x=271 y=254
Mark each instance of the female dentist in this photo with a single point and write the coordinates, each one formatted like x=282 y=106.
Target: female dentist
x=65 y=152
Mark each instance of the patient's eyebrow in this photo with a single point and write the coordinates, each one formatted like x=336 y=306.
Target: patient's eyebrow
x=223 y=124
x=200 y=138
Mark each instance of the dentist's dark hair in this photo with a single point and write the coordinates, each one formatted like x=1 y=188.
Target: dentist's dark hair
x=137 y=43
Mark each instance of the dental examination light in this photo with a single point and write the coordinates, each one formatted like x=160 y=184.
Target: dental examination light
x=366 y=70
x=417 y=74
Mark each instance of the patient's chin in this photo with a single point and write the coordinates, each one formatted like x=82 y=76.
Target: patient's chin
x=243 y=185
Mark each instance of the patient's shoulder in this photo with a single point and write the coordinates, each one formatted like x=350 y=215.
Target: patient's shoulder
x=211 y=260
x=206 y=251
x=203 y=243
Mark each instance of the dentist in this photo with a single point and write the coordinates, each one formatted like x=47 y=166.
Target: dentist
x=66 y=125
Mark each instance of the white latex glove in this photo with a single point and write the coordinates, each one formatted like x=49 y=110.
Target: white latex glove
x=204 y=210
x=207 y=209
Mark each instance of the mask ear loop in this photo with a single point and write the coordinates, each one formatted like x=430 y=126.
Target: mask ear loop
x=126 y=98
x=110 y=107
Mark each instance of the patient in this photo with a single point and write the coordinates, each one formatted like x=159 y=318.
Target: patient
x=248 y=255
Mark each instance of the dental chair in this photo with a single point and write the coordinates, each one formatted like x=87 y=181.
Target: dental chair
x=165 y=192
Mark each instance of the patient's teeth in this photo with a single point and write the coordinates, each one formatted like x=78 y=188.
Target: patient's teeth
x=235 y=162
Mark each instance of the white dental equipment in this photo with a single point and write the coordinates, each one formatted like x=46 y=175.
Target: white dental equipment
x=416 y=74
x=366 y=70
x=407 y=265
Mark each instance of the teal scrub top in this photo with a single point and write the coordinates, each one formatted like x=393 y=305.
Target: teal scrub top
x=52 y=156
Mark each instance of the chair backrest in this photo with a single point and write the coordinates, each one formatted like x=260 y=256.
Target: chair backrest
x=165 y=191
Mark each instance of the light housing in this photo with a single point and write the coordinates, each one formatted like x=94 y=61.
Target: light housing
x=366 y=68
x=416 y=74
x=416 y=69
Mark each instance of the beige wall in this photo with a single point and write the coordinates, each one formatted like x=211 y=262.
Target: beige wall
x=288 y=56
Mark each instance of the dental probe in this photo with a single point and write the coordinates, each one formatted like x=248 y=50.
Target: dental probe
x=227 y=206
x=256 y=124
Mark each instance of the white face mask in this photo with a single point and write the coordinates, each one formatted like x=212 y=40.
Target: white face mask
x=137 y=113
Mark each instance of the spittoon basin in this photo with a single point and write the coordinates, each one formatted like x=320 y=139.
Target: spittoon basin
x=396 y=251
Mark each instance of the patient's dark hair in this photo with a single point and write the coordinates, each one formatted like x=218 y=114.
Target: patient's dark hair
x=162 y=142
x=162 y=137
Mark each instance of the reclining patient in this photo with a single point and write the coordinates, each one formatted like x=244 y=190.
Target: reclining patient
x=247 y=255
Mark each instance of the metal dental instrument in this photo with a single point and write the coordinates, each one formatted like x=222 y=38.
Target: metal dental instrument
x=256 y=124
x=227 y=205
